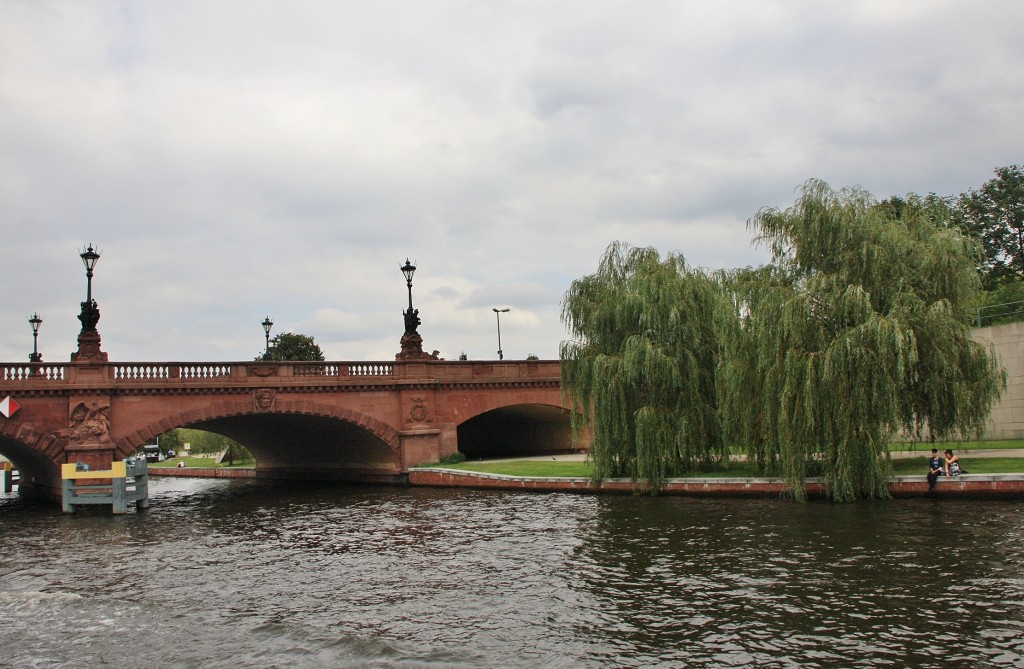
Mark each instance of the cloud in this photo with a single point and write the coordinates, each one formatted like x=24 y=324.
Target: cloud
x=284 y=160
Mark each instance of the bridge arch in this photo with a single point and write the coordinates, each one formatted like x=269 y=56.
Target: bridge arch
x=293 y=439
x=35 y=467
x=517 y=430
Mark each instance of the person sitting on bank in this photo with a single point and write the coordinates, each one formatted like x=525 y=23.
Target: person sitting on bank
x=936 y=468
x=953 y=467
x=181 y=463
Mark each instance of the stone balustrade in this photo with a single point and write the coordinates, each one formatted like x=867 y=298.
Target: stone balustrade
x=28 y=375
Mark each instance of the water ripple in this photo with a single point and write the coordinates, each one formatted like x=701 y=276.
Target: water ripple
x=240 y=574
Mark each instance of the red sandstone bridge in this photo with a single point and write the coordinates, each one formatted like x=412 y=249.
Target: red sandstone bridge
x=353 y=421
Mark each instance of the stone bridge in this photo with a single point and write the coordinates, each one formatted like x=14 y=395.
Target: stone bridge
x=352 y=421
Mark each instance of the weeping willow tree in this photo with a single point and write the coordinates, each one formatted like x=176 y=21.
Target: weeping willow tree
x=859 y=327
x=640 y=367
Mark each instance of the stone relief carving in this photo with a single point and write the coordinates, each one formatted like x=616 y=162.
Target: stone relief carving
x=418 y=411
x=90 y=424
x=263 y=399
x=27 y=434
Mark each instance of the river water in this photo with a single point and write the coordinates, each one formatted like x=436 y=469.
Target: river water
x=239 y=574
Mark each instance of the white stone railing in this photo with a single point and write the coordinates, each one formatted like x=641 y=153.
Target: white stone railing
x=32 y=372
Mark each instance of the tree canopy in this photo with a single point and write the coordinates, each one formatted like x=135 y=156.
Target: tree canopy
x=640 y=366
x=857 y=328
x=200 y=441
x=994 y=214
x=291 y=346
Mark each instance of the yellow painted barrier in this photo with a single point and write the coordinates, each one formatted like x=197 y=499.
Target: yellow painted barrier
x=122 y=485
x=117 y=470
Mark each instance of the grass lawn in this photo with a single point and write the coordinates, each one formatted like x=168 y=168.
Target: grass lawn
x=911 y=466
x=201 y=462
x=527 y=468
x=957 y=446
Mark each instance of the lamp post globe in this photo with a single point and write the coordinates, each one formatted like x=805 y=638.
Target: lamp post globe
x=267 y=324
x=35 y=322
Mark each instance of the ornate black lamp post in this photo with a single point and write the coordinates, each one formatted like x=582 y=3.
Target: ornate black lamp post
x=412 y=320
x=267 y=324
x=412 y=342
x=89 y=337
x=497 y=314
x=35 y=322
x=90 y=315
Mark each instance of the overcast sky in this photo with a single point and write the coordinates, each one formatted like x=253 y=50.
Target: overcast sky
x=234 y=160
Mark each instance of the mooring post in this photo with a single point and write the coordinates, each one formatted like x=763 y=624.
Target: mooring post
x=141 y=485
x=118 y=490
x=8 y=476
x=67 y=494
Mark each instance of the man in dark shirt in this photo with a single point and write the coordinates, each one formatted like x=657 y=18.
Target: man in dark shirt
x=936 y=468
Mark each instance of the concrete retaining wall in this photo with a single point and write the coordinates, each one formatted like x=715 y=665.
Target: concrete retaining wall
x=991 y=486
x=1007 y=419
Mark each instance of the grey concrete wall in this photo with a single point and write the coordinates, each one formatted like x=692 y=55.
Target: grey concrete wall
x=1007 y=419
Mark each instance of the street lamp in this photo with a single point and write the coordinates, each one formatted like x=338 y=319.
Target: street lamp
x=267 y=324
x=497 y=315
x=35 y=322
x=90 y=257
x=90 y=315
x=412 y=315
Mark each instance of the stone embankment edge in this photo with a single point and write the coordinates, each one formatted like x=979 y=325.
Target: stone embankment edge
x=203 y=472
x=990 y=486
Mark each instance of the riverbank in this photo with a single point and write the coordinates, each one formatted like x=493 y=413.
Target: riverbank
x=204 y=472
x=989 y=486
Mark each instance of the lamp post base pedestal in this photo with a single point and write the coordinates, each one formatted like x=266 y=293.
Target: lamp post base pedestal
x=412 y=349
x=89 y=348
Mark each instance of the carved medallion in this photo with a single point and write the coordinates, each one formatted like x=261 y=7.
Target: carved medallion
x=264 y=399
x=418 y=411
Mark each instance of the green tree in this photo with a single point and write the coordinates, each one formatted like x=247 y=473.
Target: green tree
x=640 y=366
x=171 y=440
x=291 y=346
x=1002 y=304
x=860 y=326
x=994 y=214
x=200 y=441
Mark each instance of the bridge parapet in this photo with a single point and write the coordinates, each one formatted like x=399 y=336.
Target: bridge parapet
x=33 y=372
x=20 y=375
x=128 y=372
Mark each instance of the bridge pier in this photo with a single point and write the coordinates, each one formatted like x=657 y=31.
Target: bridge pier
x=420 y=446
x=97 y=456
